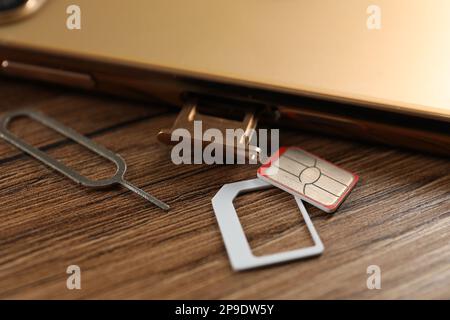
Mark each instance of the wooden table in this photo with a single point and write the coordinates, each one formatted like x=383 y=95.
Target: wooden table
x=398 y=217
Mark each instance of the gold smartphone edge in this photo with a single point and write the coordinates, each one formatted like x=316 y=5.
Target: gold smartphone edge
x=315 y=93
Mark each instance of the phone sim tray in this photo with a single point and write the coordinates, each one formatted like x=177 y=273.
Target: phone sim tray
x=237 y=246
x=192 y=115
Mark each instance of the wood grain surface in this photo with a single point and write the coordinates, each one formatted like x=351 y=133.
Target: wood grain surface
x=398 y=217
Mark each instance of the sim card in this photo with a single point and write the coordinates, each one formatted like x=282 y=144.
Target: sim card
x=314 y=180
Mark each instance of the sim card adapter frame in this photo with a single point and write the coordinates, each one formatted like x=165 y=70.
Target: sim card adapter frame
x=236 y=244
x=118 y=178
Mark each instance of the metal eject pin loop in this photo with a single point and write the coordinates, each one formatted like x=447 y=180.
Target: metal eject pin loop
x=117 y=178
x=69 y=133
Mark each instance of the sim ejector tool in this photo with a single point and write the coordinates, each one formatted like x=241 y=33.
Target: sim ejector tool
x=118 y=177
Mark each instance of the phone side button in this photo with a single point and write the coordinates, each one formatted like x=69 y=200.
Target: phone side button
x=58 y=76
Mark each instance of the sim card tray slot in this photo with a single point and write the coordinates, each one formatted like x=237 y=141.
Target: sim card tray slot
x=196 y=122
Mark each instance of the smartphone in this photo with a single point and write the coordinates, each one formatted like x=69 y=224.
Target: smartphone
x=354 y=69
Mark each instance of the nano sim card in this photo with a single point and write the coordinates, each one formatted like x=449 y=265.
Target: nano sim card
x=309 y=177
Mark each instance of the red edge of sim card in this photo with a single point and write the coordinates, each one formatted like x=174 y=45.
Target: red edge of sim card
x=262 y=174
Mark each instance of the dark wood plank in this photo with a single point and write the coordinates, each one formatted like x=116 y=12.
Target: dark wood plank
x=398 y=217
